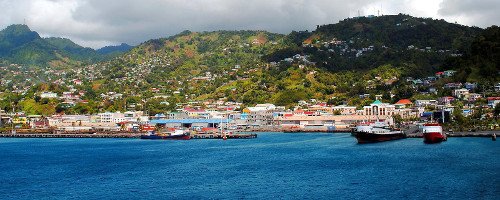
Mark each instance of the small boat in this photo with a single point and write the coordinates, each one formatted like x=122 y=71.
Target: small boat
x=433 y=133
x=376 y=132
x=175 y=135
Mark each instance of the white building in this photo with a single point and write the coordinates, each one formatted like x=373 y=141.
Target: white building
x=460 y=93
x=345 y=110
x=424 y=103
x=48 y=95
x=109 y=117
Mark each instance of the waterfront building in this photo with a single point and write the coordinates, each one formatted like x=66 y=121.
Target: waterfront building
x=344 y=109
x=261 y=114
x=377 y=108
x=191 y=123
x=109 y=117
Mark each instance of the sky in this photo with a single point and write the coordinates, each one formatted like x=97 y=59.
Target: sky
x=98 y=23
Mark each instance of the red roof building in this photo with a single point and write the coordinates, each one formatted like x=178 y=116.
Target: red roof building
x=404 y=102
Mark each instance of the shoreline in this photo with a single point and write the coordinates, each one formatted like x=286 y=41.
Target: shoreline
x=207 y=136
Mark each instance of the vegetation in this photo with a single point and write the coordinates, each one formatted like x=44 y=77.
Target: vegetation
x=345 y=63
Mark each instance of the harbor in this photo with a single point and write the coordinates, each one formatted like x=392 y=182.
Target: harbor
x=74 y=134
x=248 y=134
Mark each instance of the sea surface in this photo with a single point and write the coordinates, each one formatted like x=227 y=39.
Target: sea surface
x=272 y=166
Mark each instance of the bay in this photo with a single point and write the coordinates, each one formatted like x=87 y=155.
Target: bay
x=272 y=166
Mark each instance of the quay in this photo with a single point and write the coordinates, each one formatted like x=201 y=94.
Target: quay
x=119 y=135
x=459 y=134
x=72 y=135
x=228 y=136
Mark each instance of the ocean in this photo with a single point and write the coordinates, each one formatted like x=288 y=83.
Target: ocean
x=272 y=166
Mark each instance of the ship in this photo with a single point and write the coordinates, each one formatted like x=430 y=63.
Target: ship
x=376 y=132
x=433 y=133
x=174 y=135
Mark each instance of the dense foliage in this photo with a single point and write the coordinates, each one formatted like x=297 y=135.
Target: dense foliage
x=18 y=44
x=345 y=63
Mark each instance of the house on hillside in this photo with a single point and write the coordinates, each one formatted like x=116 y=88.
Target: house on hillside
x=446 y=100
x=403 y=103
x=460 y=93
x=48 y=95
x=449 y=73
x=493 y=101
x=424 y=103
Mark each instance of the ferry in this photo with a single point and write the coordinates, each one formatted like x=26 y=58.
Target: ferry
x=433 y=133
x=174 y=135
x=376 y=132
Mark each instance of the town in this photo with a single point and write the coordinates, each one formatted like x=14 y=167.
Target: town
x=306 y=116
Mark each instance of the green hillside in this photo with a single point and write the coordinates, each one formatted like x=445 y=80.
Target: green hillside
x=418 y=45
x=348 y=62
x=20 y=45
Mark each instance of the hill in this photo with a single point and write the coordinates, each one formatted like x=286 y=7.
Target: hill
x=419 y=45
x=348 y=62
x=108 y=50
x=481 y=60
x=20 y=45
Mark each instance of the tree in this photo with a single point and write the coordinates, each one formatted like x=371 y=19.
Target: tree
x=496 y=111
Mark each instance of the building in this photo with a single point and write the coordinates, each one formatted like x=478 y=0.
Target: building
x=337 y=121
x=377 y=108
x=472 y=97
x=493 y=101
x=424 y=103
x=48 y=95
x=403 y=103
x=445 y=100
x=109 y=117
x=344 y=110
x=191 y=123
x=460 y=93
x=261 y=114
x=449 y=73
x=470 y=86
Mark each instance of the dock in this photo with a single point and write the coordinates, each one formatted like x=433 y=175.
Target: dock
x=228 y=136
x=458 y=134
x=73 y=135
x=119 y=135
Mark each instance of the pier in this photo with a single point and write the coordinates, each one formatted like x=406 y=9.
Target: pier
x=228 y=136
x=458 y=134
x=118 y=135
x=73 y=135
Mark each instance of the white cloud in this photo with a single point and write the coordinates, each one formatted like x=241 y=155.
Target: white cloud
x=96 y=23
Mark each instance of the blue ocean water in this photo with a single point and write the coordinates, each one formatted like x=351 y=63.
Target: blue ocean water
x=273 y=166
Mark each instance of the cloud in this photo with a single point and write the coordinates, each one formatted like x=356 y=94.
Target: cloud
x=96 y=23
x=482 y=13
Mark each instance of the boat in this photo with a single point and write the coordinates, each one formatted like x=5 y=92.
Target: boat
x=376 y=132
x=174 y=135
x=433 y=133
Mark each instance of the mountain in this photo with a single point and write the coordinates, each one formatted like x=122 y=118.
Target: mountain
x=419 y=45
x=335 y=63
x=72 y=50
x=481 y=61
x=18 y=44
x=15 y=36
x=355 y=56
x=122 y=48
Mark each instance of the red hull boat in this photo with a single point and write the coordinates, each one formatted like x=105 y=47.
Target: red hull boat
x=433 y=133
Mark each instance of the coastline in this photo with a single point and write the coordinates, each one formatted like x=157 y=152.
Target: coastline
x=238 y=134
